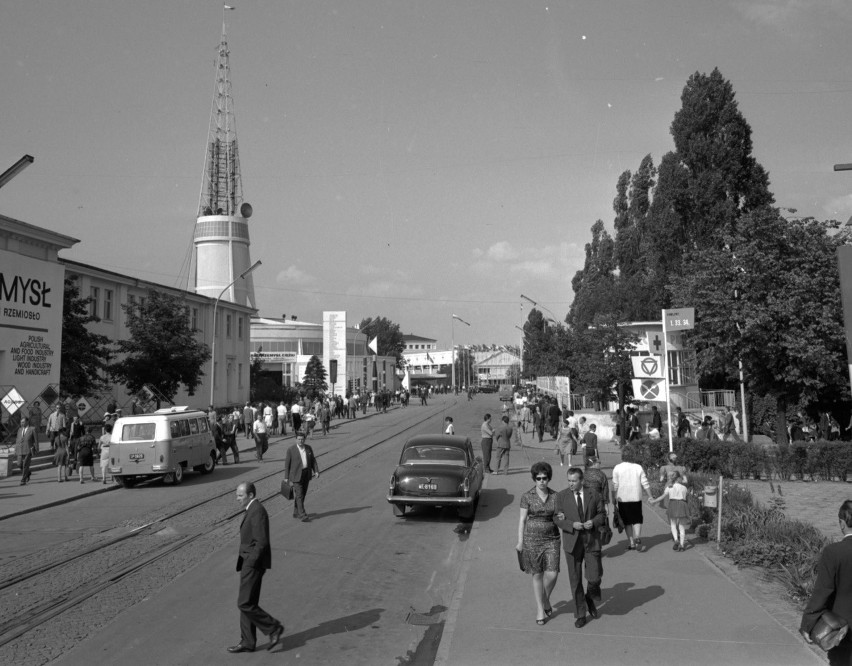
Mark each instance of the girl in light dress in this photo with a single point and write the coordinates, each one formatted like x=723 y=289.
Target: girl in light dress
x=678 y=510
x=449 y=430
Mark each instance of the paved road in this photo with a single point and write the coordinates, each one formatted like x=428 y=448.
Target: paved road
x=344 y=584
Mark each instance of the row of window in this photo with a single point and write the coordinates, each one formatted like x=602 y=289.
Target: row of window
x=104 y=309
x=413 y=346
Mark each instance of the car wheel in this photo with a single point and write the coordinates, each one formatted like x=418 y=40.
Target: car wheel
x=175 y=477
x=398 y=510
x=208 y=466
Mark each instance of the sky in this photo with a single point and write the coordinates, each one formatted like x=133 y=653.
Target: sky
x=405 y=159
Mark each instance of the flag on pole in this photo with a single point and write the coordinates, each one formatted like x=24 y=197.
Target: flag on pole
x=374 y=345
x=229 y=7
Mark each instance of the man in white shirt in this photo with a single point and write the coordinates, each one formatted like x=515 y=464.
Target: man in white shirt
x=628 y=482
x=281 y=412
x=296 y=416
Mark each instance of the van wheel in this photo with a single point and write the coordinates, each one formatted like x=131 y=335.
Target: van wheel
x=208 y=466
x=175 y=477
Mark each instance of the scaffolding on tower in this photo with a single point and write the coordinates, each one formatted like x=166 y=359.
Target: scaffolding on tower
x=221 y=185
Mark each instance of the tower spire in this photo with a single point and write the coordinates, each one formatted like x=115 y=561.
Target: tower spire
x=221 y=231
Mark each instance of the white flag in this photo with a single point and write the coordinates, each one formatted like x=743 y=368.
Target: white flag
x=229 y=7
x=374 y=345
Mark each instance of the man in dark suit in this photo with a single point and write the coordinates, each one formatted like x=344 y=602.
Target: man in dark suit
x=255 y=558
x=833 y=588
x=26 y=445
x=579 y=514
x=300 y=466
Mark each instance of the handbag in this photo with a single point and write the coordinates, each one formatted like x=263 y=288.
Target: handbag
x=829 y=630
x=520 y=555
x=605 y=533
x=287 y=489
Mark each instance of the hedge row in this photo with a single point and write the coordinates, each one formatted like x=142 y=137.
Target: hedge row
x=820 y=460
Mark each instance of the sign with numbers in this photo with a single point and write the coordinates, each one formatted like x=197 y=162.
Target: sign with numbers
x=682 y=319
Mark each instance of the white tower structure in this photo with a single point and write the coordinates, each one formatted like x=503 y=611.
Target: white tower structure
x=221 y=230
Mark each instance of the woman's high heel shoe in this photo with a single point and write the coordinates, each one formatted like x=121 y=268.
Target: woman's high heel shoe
x=548 y=611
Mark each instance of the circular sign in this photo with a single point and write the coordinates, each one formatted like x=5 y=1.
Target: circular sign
x=649 y=389
x=650 y=366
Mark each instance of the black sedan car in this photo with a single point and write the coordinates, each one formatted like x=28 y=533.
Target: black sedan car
x=437 y=470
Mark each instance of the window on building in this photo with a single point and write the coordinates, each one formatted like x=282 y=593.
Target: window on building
x=240 y=375
x=240 y=327
x=194 y=319
x=108 y=304
x=94 y=298
x=227 y=326
x=312 y=347
x=287 y=374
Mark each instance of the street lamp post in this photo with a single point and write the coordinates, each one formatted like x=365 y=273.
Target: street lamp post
x=215 y=308
x=453 y=355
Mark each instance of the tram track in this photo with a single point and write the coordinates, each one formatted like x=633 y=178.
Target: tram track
x=33 y=618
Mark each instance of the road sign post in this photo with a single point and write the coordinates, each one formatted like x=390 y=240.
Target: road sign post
x=682 y=319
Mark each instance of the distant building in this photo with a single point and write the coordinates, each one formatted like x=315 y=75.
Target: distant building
x=494 y=368
x=284 y=347
x=414 y=343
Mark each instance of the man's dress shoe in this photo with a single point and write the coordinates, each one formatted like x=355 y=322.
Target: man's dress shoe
x=240 y=648
x=580 y=622
x=275 y=636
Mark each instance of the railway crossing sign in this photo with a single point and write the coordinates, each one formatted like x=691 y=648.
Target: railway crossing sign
x=650 y=390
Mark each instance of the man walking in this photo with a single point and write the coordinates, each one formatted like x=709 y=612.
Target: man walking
x=261 y=437
x=281 y=412
x=55 y=423
x=300 y=466
x=729 y=428
x=833 y=587
x=503 y=441
x=254 y=559
x=579 y=514
x=248 y=420
x=628 y=482
x=26 y=446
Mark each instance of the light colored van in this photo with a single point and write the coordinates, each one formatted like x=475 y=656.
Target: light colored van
x=165 y=443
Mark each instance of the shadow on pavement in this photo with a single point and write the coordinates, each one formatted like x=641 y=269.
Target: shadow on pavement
x=337 y=512
x=492 y=501
x=341 y=625
x=620 y=599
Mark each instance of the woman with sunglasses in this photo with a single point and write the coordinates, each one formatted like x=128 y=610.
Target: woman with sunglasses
x=539 y=539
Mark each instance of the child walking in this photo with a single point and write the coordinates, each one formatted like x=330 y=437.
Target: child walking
x=678 y=511
x=449 y=430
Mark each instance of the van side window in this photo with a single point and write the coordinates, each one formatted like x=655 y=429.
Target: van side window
x=174 y=429
x=193 y=426
x=138 y=432
x=184 y=427
x=205 y=426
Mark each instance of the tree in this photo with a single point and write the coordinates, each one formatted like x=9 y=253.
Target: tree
x=601 y=365
x=594 y=285
x=771 y=298
x=162 y=350
x=713 y=142
x=314 y=380
x=390 y=341
x=85 y=355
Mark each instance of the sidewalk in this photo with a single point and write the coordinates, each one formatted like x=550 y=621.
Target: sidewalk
x=659 y=607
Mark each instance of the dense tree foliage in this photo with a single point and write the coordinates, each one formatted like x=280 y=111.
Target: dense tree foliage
x=771 y=297
x=85 y=355
x=162 y=350
x=390 y=341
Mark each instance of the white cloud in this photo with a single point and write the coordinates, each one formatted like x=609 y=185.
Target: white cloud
x=293 y=275
x=556 y=261
x=839 y=208
x=502 y=251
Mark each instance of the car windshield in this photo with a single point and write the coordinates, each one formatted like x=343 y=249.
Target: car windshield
x=422 y=455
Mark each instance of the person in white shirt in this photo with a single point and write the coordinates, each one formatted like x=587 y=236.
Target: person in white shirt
x=271 y=423
x=628 y=482
x=261 y=436
x=281 y=412
x=449 y=430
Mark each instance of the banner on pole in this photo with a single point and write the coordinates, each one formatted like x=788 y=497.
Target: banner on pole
x=650 y=390
x=647 y=367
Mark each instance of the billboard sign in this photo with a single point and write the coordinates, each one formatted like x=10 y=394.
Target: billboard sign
x=334 y=345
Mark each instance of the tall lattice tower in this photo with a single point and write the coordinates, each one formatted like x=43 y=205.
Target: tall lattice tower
x=221 y=231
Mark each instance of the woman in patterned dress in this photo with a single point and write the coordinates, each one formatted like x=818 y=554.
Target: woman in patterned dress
x=539 y=538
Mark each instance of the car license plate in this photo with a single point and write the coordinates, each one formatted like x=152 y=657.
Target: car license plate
x=428 y=486
x=137 y=456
